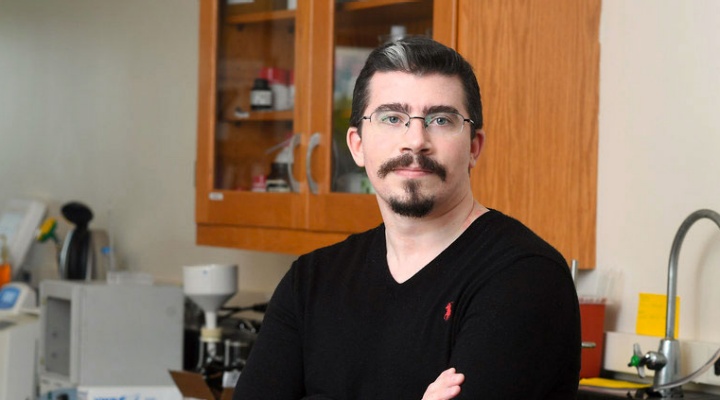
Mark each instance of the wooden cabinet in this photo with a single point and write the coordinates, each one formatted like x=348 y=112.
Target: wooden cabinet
x=537 y=62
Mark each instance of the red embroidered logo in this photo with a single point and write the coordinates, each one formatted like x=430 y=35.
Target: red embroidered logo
x=448 y=311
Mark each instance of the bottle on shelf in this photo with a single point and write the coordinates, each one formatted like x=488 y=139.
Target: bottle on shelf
x=291 y=89
x=261 y=96
x=277 y=79
x=5 y=267
x=280 y=179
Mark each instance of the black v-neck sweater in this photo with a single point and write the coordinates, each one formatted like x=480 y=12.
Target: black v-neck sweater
x=498 y=304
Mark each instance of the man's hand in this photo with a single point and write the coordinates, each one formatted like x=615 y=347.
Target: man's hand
x=445 y=387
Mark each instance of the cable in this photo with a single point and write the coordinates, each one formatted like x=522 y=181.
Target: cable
x=692 y=376
x=259 y=307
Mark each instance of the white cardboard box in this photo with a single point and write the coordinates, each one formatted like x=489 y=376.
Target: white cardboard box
x=128 y=393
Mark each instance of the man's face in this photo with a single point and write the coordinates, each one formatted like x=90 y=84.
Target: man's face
x=416 y=173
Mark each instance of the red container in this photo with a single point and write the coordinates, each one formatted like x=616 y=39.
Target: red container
x=592 y=325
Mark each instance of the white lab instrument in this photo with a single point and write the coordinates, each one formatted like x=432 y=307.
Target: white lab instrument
x=210 y=286
x=95 y=334
x=19 y=330
x=169 y=392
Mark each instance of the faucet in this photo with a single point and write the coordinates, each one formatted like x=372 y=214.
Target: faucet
x=666 y=361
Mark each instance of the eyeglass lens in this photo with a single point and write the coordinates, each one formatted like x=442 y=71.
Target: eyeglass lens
x=445 y=123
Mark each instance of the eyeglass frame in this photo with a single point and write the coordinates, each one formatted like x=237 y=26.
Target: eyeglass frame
x=424 y=119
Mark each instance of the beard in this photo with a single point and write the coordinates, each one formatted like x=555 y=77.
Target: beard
x=415 y=205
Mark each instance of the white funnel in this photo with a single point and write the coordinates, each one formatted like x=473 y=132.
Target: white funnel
x=210 y=286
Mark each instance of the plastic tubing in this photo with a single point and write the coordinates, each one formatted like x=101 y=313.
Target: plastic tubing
x=692 y=376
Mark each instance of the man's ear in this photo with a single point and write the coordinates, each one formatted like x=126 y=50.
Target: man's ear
x=354 y=142
x=476 y=146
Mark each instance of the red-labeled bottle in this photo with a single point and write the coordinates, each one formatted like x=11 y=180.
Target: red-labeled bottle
x=5 y=267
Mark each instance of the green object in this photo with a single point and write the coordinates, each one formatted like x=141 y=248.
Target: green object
x=634 y=361
x=47 y=231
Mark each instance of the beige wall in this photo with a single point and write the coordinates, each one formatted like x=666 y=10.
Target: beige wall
x=97 y=103
x=659 y=157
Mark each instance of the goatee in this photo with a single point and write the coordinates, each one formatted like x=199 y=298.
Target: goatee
x=416 y=206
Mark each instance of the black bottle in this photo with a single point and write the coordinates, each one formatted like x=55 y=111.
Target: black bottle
x=279 y=179
x=261 y=97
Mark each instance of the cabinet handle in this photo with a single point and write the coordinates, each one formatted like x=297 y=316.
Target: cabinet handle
x=294 y=142
x=574 y=270
x=314 y=142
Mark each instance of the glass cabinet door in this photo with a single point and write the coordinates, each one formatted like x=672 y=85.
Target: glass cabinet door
x=343 y=200
x=359 y=28
x=252 y=143
x=275 y=86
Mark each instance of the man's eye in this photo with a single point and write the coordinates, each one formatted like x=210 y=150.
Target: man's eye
x=440 y=120
x=391 y=119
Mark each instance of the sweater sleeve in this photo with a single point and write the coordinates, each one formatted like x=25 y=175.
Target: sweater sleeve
x=274 y=369
x=520 y=336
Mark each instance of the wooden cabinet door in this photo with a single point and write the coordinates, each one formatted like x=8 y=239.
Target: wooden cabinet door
x=537 y=62
x=239 y=44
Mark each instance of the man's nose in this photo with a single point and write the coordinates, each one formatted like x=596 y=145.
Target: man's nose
x=416 y=136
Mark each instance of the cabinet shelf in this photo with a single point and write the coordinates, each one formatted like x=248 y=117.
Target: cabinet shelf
x=259 y=116
x=364 y=5
x=264 y=16
x=279 y=15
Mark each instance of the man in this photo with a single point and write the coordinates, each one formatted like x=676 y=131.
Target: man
x=446 y=299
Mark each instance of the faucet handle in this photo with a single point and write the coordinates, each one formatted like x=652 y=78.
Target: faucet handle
x=637 y=360
x=653 y=359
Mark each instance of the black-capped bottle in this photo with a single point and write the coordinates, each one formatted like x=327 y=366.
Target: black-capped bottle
x=279 y=179
x=261 y=96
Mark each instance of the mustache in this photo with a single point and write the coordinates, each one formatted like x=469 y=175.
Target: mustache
x=407 y=159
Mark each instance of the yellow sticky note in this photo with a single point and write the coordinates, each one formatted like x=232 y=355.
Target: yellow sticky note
x=652 y=311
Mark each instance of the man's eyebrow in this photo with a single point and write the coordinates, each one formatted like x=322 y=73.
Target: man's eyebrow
x=403 y=107
x=393 y=107
x=440 y=109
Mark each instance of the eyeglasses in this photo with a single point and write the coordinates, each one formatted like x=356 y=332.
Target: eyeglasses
x=398 y=122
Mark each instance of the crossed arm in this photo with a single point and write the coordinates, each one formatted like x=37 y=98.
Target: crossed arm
x=446 y=386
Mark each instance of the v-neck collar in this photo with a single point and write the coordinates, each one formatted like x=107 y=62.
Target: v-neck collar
x=377 y=256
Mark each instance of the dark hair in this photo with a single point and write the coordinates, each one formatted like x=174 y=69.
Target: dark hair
x=417 y=55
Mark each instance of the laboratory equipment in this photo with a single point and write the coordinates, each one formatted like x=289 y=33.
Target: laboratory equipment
x=210 y=286
x=94 y=334
x=668 y=381
x=81 y=256
x=19 y=330
x=18 y=221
